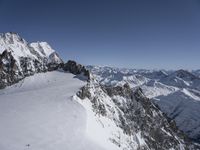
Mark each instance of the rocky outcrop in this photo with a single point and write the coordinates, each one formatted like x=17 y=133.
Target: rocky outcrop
x=76 y=68
x=144 y=126
x=8 y=69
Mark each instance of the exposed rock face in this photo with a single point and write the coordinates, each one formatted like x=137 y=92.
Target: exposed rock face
x=19 y=59
x=138 y=121
x=8 y=69
x=177 y=92
x=76 y=69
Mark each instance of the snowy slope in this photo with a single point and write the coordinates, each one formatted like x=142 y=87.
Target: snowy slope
x=154 y=88
x=38 y=113
x=182 y=79
x=182 y=106
x=46 y=112
x=45 y=50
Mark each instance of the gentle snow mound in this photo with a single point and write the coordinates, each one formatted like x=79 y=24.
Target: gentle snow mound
x=38 y=113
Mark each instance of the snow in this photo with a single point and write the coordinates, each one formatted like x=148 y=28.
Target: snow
x=43 y=48
x=105 y=129
x=188 y=93
x=38 y=113
x=20 y=48
x=176 y=92
x=54 y=58
x=140 y=139
x=184 y=109
x=98 y=129
x=152 y=90
x=17 y=46
x=47 y=48
x=165 y=131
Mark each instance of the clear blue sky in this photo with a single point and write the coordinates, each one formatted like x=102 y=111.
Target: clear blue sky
x=124 y=33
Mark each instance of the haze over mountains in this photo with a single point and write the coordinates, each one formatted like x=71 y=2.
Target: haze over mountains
x=48 y=104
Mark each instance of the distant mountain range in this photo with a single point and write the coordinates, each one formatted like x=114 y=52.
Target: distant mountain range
x=177 y=93
x=47 y=104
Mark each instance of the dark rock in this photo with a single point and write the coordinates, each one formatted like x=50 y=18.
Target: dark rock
x=8 y=69
x=76 y=69
x=11 y=73
x=84 y=93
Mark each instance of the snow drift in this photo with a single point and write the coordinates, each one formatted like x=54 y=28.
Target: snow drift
x=38 y=113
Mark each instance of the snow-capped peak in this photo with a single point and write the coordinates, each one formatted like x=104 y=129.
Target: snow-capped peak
x=185 y=75
x=13 y=43
x=11 y=37
x=20 y=48
x=24 y=58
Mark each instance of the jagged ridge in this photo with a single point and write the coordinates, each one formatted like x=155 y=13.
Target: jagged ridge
x=139 y=123
x=19 y=58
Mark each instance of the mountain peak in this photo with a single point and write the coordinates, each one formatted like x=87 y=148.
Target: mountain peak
x=11 y=37
x=24 y=58
x=184 y=74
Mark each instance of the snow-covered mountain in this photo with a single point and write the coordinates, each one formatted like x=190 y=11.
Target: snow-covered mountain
x=19 y=58
x=196 y=72
x=59 y=110
x=183 y=106
x=182 y=79
x=46 y=104
x=177 y=93
x=128 y=119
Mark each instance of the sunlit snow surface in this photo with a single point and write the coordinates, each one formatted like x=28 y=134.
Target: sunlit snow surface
x=38 y=113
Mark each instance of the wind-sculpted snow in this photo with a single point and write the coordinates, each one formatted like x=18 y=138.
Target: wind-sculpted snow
x=38 y=113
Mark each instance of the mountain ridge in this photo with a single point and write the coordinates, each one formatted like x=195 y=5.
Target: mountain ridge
x=120 y=114
x=20 y=58
x=180 y=85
